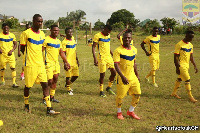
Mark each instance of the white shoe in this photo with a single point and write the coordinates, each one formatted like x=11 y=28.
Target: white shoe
x=155 y=85
x=70 y=93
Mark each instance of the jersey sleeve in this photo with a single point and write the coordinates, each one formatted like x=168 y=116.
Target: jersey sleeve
x=147 y=40
x=14 y=38
x=177 y=49
x=96 y=38
x=63 y=46
x=116 y=56
x=23 y=38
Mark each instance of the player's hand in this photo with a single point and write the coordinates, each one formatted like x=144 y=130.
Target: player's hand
x=67 y=66
x=178 y=71
x=78 y=63
x=0 y=51
x=196 y=70
x=10 y=53
x=124 y=80
x=95 y=62
x=19 y=54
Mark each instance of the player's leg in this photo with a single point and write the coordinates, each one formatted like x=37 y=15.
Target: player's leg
x=3 y=63
x=68 y=75
x=53 y=88
x=135 y=92
x=75 y=75
x=111 y=80
x=2 y=76
x=101 y=79
x=26 y=98
x=188 y=89
x=121 y=93
x=14 y=78
x=177 y=85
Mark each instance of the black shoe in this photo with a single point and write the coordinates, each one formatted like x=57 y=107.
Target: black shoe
x=109 y=90
x=102 y=94
x=50 y=111
x=26 y=108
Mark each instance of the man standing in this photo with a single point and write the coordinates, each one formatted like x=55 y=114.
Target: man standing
x=52 y=49
x=127 y=78
x=104 y=61
x=183 y=54
x=8 y=44
x=31 y=42
x=152 y=42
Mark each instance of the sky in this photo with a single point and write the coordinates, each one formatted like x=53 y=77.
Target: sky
x=94 y=9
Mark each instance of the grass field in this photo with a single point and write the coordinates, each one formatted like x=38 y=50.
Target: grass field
x=86 y=111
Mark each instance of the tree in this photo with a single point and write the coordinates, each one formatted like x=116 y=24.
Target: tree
x=99 y=24
x=150 y=24
x=76 y=16
x=63 y=22
x=169 y=22
x=13 y=22
x=86 y=25
x=48 y=23
x=118 y=25
x=124 y=16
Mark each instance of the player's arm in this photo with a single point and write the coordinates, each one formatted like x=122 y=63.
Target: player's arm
x=143 y=47
x=193 y=62
x=118 y=36
x=93 y=52
x=176 y=63
x=124 y=79
x=14 y=47
x=111 y=52
x=77 y=60
x=19 y=48
x=136 y=71
x=63 y=56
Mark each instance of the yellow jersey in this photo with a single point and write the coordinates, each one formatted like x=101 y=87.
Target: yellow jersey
x=153 y=44
x=69 y=46
x=6 y=42
x=103 y=45
x=52 y=50
x=125 y=58
x=33 y=47
x=184 y=50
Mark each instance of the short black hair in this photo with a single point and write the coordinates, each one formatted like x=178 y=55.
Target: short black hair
x=36 y=16
x=189 y=32
x=129 y=30
x=109 y=27
x=52 y=26
x=5 y=24
x=68 y=28
x=155 y=28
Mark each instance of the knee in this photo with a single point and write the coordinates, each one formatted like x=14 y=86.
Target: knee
x=12 y=69
x=179 y=79
x=2 y=69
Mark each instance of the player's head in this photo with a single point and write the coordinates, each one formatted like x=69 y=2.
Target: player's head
x=189 y=35
x=127 y=37
x=37 y=21
x=155 y=31
x=5 y=27
x=54 y=31
x=107 y=29
x=28 y=26
x=68 y=32
x=129 y=30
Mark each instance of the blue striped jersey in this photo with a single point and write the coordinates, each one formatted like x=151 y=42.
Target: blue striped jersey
x=153 y=43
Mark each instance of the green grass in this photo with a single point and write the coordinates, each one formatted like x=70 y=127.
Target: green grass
x=86 y=111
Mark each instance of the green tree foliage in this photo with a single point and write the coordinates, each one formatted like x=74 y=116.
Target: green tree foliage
x=85 y=25
x=98 y=24
x=118 y=25
x=124 y=16
x=13 y=22
x=150 y=24
x=48 y=23
x=63 y=22
x=76 y=16
x=169 y=22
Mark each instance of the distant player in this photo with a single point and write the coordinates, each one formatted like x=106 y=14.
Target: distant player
x=183 y=54
x=119 y=36
x=104 y=59
x=52 y=49
x=69 y=48
x=8 y=44
x=31 y=42
x=127 y=78
x=19 y=54
x=152 y=42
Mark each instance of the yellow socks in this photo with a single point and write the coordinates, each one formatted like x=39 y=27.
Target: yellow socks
x=110 y=83
x=135 y=99
x=26 y=100
x=153 y=73
x=14 y=76
x=52 y=91
x=177 y=85
x=47 y=99
x=148 y=75
x=68 y=88
x=101 y=87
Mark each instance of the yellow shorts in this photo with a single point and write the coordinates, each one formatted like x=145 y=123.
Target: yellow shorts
x=184 y=74
x=133 y=88
x=7 y=59
x=73 y=71
x=105 y=63
x=34 y=74
x=52 y=70
x=154 y=62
